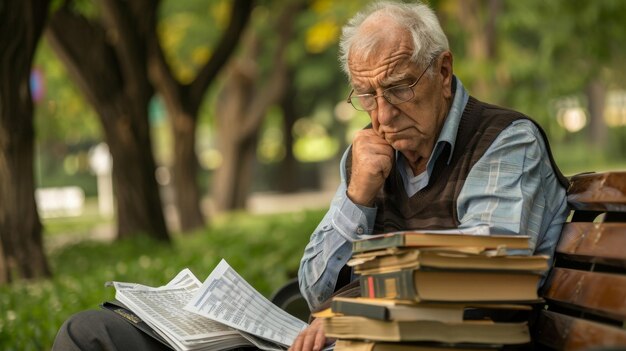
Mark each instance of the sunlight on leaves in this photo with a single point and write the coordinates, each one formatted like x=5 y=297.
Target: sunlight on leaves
x=315 y=148
x=200 y=55
x=221 y=14
x=321 y=6
x=321 y=35
x=271 y=148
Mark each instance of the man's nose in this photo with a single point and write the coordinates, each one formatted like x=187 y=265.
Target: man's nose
x=385 y=112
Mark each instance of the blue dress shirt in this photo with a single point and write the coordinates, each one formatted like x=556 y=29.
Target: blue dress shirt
x=512 y=189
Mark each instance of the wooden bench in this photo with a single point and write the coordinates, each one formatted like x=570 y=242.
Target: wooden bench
x=585 y=292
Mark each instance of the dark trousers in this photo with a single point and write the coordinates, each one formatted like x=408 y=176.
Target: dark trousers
x=102 y=330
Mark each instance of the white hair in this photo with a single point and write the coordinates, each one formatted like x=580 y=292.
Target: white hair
x=417 y=19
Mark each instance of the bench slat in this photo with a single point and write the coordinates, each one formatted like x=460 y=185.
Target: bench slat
x=603 y=294
x=598 y=192
x=585 y=295
x=594 y=242
x=563 y=332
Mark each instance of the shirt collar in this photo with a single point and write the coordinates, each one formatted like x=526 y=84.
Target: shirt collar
x=451 y=125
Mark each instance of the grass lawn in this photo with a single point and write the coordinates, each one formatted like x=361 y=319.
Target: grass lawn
x=264 y=249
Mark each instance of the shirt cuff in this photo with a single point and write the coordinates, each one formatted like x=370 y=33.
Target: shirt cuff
x=352 y=220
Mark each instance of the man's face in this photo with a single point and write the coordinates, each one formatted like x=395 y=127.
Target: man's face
x=411 y=127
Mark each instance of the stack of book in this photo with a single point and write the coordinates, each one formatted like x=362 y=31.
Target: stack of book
x=434 y=291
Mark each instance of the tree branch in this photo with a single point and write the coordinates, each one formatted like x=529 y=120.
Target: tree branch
x=126 y=25
x=239 y=18
x=160 y=73
x=80 y=43
x=271 y=91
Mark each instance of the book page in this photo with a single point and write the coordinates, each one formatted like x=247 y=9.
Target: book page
x=227 y=298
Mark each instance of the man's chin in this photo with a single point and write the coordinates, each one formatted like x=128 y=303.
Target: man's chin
x=401 y=144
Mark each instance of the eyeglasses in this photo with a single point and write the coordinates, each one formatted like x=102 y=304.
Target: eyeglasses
x=394 y=95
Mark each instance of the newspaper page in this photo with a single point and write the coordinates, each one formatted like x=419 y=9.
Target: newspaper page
x=162 y=309
x=227 y=298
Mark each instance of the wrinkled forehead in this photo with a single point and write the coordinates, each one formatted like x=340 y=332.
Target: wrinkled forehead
x=381 y=72
x=381 y=50
x=389 y=64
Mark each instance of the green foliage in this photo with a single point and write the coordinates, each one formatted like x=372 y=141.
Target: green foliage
x=66 y=127
x=265 y=250
x=63 y=115
x=271 y=144
x=188 y=30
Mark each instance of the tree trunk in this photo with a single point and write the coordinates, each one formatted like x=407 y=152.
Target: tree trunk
x=185 y=171
x=244 y=101
x=231 y=113
x=596 y=95
x=127 y=133
x=109 y=66
x=289 y=165
x=478 y=22
x=21 y=247
x=234 y=178
x=183 y=102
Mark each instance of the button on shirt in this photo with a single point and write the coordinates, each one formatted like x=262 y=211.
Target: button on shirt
x=512 y=189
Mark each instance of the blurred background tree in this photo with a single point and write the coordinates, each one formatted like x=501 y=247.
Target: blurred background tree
x=137 y=59
x=183 y=97
x=254 y=81
x=105 y=52
x=21 y=247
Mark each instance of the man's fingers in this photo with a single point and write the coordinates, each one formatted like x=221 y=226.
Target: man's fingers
x=297 y=344
x=368 y=143
x=372 y=160
x=369 y=136
x=320 y=339
x=315 y=338
x=310 y=339
x=372 y=157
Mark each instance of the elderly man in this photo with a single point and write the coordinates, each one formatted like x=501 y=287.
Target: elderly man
x=434 y=157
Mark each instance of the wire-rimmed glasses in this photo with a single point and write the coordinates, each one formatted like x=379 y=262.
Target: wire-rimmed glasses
x=394 y=95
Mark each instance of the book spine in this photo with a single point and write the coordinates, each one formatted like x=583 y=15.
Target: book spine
x=360 y=309
x=391 y=285
x=378 y=243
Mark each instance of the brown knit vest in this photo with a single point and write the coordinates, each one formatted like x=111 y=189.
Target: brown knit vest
x=434 y=207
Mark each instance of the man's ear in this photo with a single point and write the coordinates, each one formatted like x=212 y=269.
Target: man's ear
x=445 y=73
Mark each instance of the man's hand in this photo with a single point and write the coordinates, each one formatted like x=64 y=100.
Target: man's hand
x=372 y=159
x=311 y=338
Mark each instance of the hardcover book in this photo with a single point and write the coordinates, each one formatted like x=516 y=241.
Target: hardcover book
x=444 y=258
x=424 y=285
x=404 y=310
x=385 y=309
x=425 y=239
x=486 y=332
x=363 y=345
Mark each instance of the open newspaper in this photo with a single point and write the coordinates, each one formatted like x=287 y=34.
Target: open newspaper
x=223 y=313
